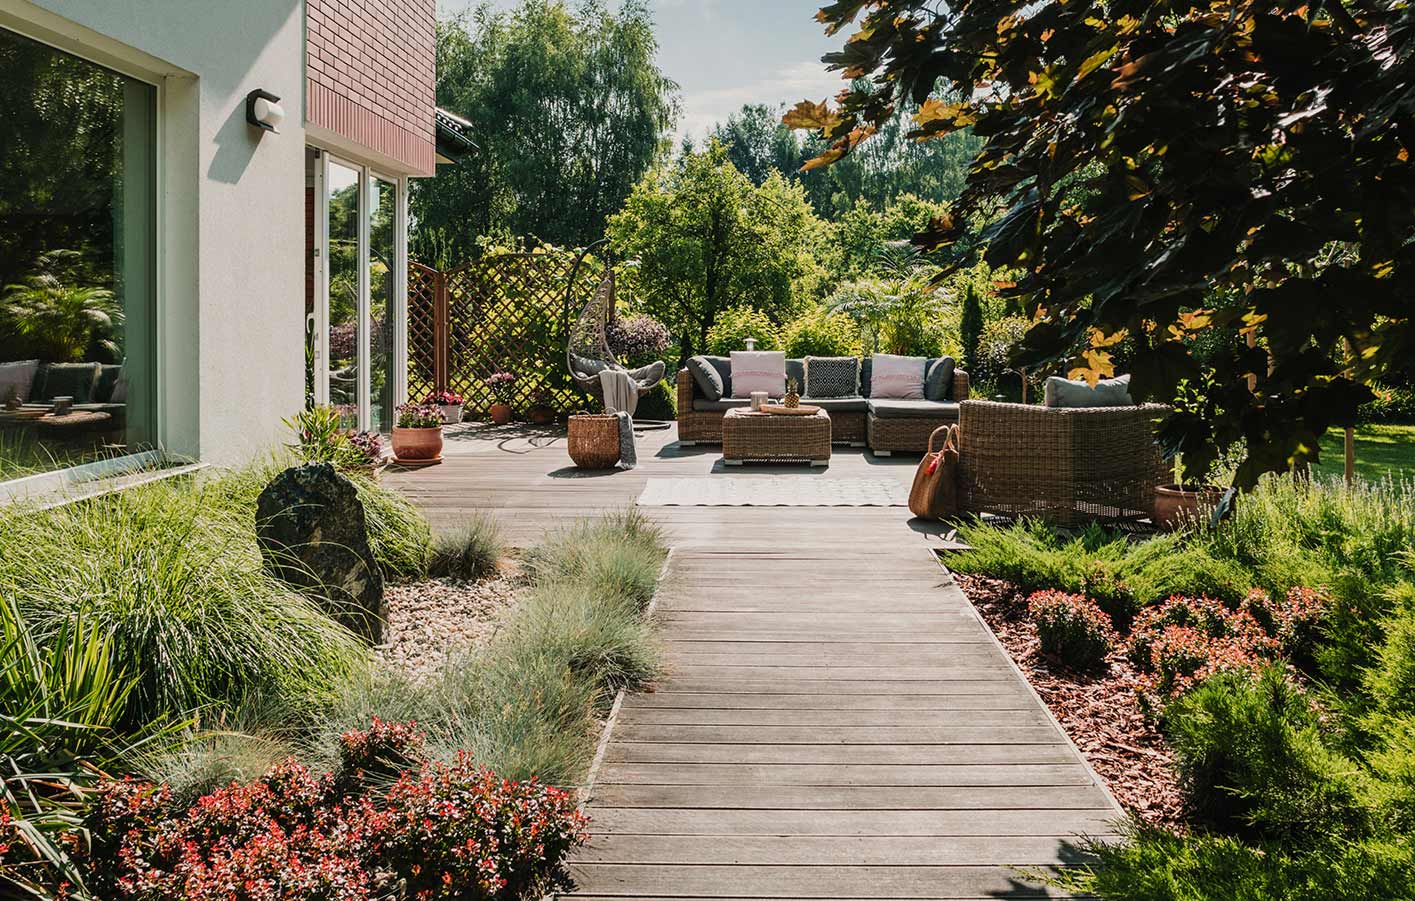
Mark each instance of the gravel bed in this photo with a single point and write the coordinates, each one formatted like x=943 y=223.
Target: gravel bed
x=430 y=621
x=1101 y=712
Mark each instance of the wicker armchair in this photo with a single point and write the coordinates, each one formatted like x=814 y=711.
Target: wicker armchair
x=1067 y=466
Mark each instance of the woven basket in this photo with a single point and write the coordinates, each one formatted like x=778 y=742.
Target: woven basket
x=594 y=440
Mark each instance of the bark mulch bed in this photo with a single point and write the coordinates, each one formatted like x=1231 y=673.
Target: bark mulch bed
x=432 y=620
x=1101 y=713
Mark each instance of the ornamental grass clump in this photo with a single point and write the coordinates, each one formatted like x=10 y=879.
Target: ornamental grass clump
x=1071 y=629
x=437 y=831
x=469 y=552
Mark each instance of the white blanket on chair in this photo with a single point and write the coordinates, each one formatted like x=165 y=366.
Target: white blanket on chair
x=621 y=393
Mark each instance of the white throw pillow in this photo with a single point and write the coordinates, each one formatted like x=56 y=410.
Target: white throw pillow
x=758 y=370
x=897 y=377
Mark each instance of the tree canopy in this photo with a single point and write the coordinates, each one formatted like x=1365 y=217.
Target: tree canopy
x=706 y=239
x=568 y=110
x=1164 y=170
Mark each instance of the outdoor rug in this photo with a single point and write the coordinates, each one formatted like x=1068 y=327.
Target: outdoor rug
x=774 y=491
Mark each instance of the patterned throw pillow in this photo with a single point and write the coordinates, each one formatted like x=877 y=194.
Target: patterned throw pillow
x=897 y=377
x=832 y=376
x=758 y=370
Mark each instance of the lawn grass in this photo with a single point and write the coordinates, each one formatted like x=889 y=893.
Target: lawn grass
x=1383 y=450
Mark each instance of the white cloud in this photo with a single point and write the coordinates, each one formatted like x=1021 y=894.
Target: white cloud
x=787 y=84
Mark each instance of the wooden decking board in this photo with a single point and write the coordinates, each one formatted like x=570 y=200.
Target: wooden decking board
x=815 y=850
x=934 y=775
x=698 y=881
x=834 y=721
x=829 y=718
x=857 y=797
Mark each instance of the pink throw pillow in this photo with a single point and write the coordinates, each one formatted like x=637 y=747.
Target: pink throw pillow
x=758 y=370
x=892 y=376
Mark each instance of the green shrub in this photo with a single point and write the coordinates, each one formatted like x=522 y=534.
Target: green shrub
x=734 y=326
x=617 y=556
x=1071 y=629
x=469 y=552
x=1250 y=756
x=821 y=334
x=1156 y=865
x=1390 y=683
x=1391 y=404
x=171 y=570
x=660 y=404
x=1392 y=764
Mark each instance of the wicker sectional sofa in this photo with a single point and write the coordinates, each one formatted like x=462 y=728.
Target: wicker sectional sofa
x=885 y=425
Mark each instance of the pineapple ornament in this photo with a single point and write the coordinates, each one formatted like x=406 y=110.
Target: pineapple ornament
x=792 y=400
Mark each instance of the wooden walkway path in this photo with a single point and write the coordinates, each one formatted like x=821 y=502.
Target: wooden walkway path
x=835 y=721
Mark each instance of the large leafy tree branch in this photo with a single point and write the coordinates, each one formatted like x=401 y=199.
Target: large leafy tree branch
x=1165 y=169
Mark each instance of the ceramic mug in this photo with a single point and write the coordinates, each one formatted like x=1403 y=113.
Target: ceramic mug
x=62 y=405
x=759 y=398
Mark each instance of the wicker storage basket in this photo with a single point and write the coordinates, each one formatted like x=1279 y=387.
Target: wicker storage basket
x=594 y=440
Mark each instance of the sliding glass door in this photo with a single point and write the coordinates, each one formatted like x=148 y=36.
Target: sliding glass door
x=362 y=293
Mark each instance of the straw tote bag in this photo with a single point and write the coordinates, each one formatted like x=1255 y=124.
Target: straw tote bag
x=934 y=494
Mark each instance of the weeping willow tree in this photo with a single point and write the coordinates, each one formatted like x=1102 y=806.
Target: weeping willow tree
x=568 y=111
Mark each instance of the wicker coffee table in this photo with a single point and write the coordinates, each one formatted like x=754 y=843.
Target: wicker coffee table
x=773 y=438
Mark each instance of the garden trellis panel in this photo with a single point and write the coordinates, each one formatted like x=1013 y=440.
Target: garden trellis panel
x=506 y=312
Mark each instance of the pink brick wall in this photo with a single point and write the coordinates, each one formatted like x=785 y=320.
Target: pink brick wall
x=370 y=75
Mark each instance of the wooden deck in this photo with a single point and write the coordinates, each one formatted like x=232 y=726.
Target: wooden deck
x=835 y=721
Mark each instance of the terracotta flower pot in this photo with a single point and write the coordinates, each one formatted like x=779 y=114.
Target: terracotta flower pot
x=451 y=413
x=500 y=413
x=1176 y=505
x=417 y=444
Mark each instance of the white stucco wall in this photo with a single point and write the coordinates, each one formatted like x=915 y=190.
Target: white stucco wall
x=231 y=212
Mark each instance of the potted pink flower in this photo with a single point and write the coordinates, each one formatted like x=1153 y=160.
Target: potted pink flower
x=500 y=384
x=451 y=404
x=418 y=435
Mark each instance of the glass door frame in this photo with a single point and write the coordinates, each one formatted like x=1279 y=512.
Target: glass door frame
x=398 y=316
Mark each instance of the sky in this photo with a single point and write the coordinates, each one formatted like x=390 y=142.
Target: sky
x=724 y=53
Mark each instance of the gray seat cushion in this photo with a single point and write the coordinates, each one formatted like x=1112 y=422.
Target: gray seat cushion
x=838 y=404
x=1078 y=394
x=867 y=366
x=888 y=408
x=721 y=405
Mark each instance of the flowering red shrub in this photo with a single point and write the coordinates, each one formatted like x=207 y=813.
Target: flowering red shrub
x=1183 y=641
x=440 y=832
x=1071 y=628
x=1293 y=619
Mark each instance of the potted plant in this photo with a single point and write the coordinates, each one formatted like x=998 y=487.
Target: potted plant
x=363 y=452
x=418 y=435
x=1188 y=499
x=451 y=404
x=499 y=384
x=541 y=412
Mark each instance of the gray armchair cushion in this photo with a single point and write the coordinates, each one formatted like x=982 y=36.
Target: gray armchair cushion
x=938 y=381
x=76 y=380
x=888 y=408
x=586 y=367
x=832 y=376
x=867 y=366
x=713 y=376
x=108 y=375
x=1076 y=393
x=650 y=375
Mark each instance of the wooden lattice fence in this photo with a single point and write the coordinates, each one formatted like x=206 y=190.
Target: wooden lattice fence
x=505 y=312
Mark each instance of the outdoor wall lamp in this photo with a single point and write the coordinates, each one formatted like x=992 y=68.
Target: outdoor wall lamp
x=263 y=110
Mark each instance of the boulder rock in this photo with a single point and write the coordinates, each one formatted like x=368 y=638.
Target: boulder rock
x=310 y=524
